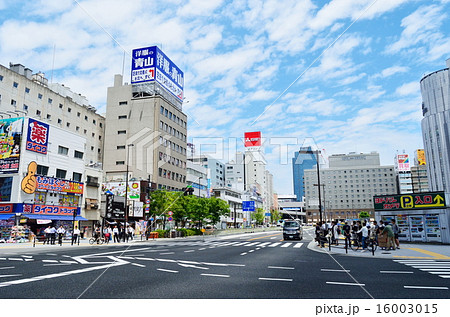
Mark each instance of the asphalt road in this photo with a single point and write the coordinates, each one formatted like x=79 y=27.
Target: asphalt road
x=251 y=266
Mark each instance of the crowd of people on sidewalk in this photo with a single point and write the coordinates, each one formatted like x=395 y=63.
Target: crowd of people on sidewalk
x=115 y=233
x=384 y=234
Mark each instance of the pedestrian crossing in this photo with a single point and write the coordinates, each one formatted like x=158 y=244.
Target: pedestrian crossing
x=439 y=268
x=295 y=245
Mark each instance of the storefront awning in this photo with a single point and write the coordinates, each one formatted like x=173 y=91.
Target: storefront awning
x=6 y=216
x=52 y=217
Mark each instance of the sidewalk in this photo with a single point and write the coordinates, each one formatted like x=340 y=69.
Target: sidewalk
x=407 y=251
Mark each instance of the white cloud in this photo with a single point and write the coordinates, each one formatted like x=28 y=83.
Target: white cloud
x=412 y=88
x=390 y=71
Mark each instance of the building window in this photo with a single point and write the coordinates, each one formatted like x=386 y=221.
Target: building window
x=120 y=162
x=59 y=121
x=40 y=96
x=78 y=154
x=50 y=100
x=1 y=77
x=121 y=147
x=27 y=90
x=123 y=103
x=61 y=106
x=13 y=102
x=38 y=113
x=78 y=114
x=77 y=129
x=63 y=150
x=76 y=177
x=60 y=173
x=122 y=117
x=25 y=107
x=15 y=85
x=122 y=132
x=69 y=109
x=49 y=116
x=42 y=170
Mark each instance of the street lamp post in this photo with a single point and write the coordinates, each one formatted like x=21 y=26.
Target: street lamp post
x=199 y=185
x=126 y=196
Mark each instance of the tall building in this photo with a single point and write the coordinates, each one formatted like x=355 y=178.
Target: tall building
x=435 y=88
x=348 y=186
x=419 y=175
x=403 y=171
x=235 y=174
x=300 y=162
x=146 y=129
x=215 y=167
x=23 y=93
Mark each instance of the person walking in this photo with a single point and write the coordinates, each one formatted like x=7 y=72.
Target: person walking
x=346 y=232
x=396 y=232
x=116 y=234
x=336 y=231
x=52 y=235
x=47 y=235
x=106 y=233
x=390 y=234
x=61 y=231
x=76 y=234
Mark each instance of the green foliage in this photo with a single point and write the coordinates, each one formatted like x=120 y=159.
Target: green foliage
x=274 y=215
x=364 y=215
x=258 y=216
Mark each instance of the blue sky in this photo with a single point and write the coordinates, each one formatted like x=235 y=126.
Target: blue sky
x=342 y=75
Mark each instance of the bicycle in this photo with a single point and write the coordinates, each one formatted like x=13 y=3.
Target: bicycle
x=99 y=240
x=372 y=243
x=355 y=244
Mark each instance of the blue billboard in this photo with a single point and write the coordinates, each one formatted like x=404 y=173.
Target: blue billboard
x=151 y=64
x=37 y=136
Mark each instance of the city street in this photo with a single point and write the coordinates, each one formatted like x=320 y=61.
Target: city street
x=245 y=266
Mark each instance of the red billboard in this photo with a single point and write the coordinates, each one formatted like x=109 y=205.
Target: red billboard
x=252 y=139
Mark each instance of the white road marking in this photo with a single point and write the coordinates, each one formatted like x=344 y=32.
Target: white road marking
x=435 y=269
x=244 y=253
x=439 y=272
x=15 y=259
x=286 y=245
x=298 y=245
x=215 y=275
x=146 y=259
x=168 y=271
x=280 y=267
x=7 y=267
x=250 y=251
x=27 y=256
x=167 y=253
x=275 y=279
x=239 y=244
x=444 y=276
x=188 y=251
x=273 y=238
x=10 y=275
x=140 y=265
x=193 y=266
x=188 y=262
x=274 y=244
x=56 y=264
x=263 y=244
x=341 y=283
x=253 y=243
x=50 y=276
x=201 y=249
x=126 y=257
x=396 y=272
x=2 y=258
x=426 y=287
x=166 y=260
x=331 y=270
x=28 y=260
x=50 y=261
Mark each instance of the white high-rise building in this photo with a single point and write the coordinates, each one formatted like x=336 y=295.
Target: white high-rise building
x=435 y=88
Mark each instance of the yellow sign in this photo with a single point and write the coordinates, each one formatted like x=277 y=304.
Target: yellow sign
x=203 y=230
x=29 y=181
x=421 y=157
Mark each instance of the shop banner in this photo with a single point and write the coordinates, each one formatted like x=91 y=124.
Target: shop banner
x=6 y=208
x=10 y=141
x=37 y=137
x=410 y=201
x=55 y=210
x=44 y=183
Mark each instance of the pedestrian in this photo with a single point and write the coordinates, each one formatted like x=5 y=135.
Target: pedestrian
x=396 y=232
x=47 y=235
x=116 y=234
x=61 y=231
x=52 y=235
x=374 y=231
x=390 y=234
x=334 y=233
x=106 y=233
x=364 y=231
x=346 y=232
x=130 y=232
x=76 y=233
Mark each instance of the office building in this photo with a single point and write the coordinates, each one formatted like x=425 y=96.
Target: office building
x=300 y=162
x=435 y=88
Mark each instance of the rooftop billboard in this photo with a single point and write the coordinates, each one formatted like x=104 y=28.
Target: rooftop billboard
x=252 y=139
x=151 y=64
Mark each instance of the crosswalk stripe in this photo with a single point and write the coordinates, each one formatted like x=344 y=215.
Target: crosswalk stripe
x=240 y=244
x=253 y=243
x=442 y=269
x=298 y=245
x=286 y=245
x=274 y=244
x=263 y=244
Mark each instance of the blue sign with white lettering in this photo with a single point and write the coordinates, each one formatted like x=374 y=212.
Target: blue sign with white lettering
x=248 y=205
x=151 y=64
